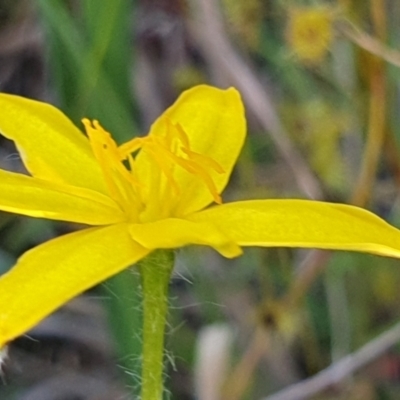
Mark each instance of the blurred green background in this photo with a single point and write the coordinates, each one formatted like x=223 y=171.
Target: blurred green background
x=320 y=81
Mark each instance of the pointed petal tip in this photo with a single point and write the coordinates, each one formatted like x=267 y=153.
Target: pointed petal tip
x=303 y=224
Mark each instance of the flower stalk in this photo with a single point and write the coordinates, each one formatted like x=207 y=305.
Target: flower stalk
x=155 y=271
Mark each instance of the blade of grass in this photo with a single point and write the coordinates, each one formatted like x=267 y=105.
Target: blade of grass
x=108 y=31
x=86 y=87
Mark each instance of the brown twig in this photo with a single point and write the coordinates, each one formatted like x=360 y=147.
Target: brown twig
x=340 y=370
x=377 y=115
x=308 y=270
x=242 y=374
x=370 y=44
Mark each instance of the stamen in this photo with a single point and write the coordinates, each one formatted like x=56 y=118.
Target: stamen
x=130 y=147
x=97 y=141
x=168 y=151
x=192 y=165
x=201 y=158
x=183 y=137
x=170 y=136
x=196 y=169
x=204 y=160
x=106 y=150
x=161 y=158
x=118 y=179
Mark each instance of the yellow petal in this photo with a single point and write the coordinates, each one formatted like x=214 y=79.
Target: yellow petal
x=172 y=233
x=51 y=274
x=214 y=121
x=303 y=223
x=34 y=197
x=50 y=145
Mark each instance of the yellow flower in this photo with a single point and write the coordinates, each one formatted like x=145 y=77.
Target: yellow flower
x=309 y=33
x=149 y=193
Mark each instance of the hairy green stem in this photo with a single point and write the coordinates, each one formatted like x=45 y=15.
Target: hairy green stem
x=123 y=301
x=155 y=272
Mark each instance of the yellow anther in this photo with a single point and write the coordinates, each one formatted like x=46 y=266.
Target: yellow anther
x=170 y=133
x=204 y=160
x=183 y=137
x=130 y=147
x=107 y=153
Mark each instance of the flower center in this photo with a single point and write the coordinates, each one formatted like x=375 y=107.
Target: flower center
x=167 y=153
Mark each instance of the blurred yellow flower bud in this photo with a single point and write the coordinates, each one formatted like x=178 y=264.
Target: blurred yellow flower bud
x=309 y=33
